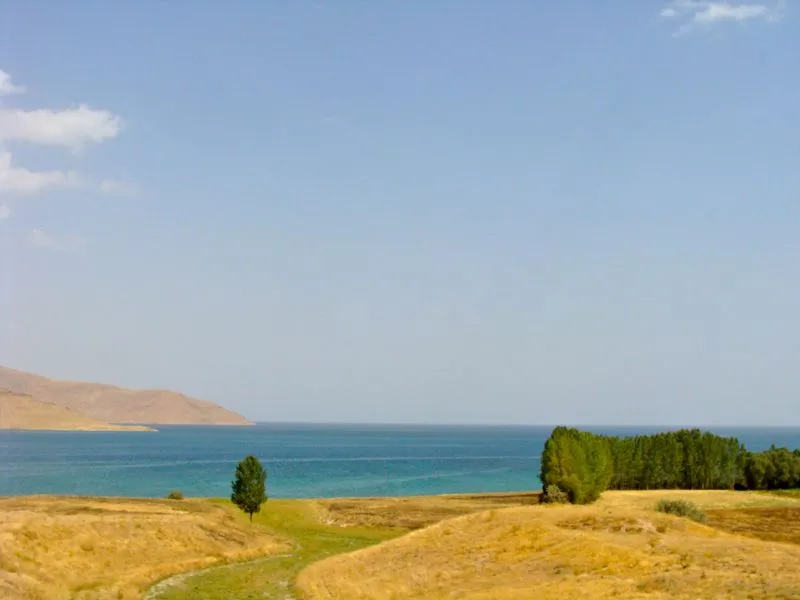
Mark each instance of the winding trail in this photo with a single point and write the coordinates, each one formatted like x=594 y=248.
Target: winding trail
x=162 y=587
x=298 y=523
x=313 y=534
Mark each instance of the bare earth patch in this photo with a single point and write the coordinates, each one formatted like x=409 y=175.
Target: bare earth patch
x=414 y=512
x=54 y=548
x=776 y=524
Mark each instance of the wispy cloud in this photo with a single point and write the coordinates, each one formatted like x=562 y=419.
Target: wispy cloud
x=116 y=187
x=65 y=243
x=7 y=87
x=71 y=128
x=22 y=182
x=693 y=14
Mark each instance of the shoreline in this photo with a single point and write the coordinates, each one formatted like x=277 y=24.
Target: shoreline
x=111 y=428
x=454 y=496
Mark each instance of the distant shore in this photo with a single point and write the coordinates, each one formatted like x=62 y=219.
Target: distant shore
x=84 y=428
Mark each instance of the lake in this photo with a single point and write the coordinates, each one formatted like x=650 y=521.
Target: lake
x=303 y=461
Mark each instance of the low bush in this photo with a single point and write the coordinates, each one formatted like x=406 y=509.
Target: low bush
x=681 y=508
x=555 y=495
x=175 y=495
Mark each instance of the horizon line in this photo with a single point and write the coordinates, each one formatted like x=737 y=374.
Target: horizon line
x=519 y=425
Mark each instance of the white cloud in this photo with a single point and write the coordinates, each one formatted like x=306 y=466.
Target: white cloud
x=22 y=182
x=66 y=243
x=7 y=87
x=722 y=11
x=70 y=128
x=116 y=187
x=700 y=13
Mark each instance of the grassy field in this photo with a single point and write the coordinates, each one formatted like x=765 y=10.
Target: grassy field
x=54 y=548
x=492 y=546
x=415 y=512
x=319 y=529
x=619 y=547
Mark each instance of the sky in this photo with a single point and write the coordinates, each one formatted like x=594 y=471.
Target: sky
x=416 y=212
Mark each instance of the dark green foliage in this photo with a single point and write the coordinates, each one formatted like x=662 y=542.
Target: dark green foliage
x=578 y=463
x=175 y=495
x=249 y=486
x=773 y=469
x=686 y=459
x=681 y=508
x=583 y=464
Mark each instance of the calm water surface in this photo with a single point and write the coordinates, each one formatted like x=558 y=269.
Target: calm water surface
x=303 y=460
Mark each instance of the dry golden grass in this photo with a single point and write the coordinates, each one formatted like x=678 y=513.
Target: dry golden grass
x=54 y=548
x=705 y=499
x=775 y=524
x=619 y=547
x=414 y=512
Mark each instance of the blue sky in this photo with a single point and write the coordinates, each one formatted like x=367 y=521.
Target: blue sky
x=451 y=211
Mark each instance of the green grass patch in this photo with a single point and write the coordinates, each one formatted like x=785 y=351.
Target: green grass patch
x=296 y=521
x=681 y=508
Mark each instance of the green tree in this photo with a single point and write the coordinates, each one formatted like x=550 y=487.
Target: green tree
x=755 y=471
x=578 y=463
x=249 y=486
x=583 y=464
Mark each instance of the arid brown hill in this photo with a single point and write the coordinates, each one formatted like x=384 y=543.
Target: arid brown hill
x=119 y=405
x=20 y=411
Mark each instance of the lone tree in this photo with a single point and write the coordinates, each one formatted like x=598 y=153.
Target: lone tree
x=249 y=487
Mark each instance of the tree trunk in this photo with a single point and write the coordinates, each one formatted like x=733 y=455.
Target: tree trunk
x=251 y=518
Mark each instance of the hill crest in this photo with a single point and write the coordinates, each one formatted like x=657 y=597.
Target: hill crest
x=114 y=404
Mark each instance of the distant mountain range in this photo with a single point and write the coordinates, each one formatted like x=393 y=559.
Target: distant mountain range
x=102 y=404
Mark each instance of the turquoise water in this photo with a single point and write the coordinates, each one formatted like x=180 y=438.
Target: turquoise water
x=302 y=460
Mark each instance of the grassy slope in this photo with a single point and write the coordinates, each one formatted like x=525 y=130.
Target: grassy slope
x=54 y=548
x=618 y=547
x=319 y=529
x=312 y=540
x=91 y=549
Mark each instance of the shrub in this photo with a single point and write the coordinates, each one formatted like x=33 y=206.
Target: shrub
x=554 y=495
x=175 y=495
x=681 y=508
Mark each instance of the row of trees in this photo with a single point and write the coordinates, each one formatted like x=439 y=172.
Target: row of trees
x=582 y=465
x=688 y=459
x=773 y=469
